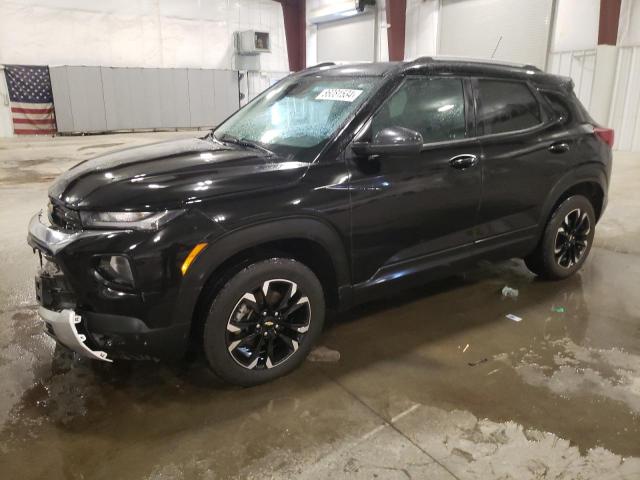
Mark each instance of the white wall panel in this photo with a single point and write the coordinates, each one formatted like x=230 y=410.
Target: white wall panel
x=580 y=66
x=380 y=45
x=576 y=25
x=421 y=28
x=98 y=99
x=473 y=28
x=626 y=100
x=257 y=82
x=629 y=25
x=141 y=33
x=351 y=39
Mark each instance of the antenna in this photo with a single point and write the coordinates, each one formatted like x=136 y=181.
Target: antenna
x=497 y=45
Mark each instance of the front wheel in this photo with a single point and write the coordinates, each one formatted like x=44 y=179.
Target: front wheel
x=264 y=321
x=566 y=241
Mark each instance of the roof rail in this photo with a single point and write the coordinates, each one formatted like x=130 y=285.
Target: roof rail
x=423 y=61
x=324 y=64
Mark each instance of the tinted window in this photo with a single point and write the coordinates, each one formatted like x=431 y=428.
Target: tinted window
x=506 y=106
x=558 y=105
x=432 y=106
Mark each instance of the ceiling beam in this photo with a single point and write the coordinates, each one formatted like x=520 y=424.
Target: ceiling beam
x=295 y=30
x=396 y=16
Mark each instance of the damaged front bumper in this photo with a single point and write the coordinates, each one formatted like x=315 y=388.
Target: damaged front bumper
x=63 y=327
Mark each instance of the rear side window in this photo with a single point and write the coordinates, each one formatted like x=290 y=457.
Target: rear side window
x=506 y=107
x=559 y=106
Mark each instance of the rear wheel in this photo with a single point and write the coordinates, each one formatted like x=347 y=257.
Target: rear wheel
x=566 y=241
x=264 y=321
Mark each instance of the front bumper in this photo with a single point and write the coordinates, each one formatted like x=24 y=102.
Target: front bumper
x=87 y=315
x=62 y=326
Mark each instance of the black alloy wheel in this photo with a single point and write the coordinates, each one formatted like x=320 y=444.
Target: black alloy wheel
x=268 y=324
x=572 y=238
x=264 y=321
x=566 y=241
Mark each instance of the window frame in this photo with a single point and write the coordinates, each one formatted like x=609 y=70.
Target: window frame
x=544 y=117
x=552 y=112
x=469 y=110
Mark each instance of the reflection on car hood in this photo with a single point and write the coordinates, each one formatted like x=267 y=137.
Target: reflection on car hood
x=170 y=175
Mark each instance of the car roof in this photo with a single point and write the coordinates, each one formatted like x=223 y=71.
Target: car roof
x=454 y=65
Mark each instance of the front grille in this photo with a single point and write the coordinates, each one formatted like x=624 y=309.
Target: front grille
x=64 y=217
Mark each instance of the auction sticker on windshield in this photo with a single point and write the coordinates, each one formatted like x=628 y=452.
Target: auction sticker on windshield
x=339 y=94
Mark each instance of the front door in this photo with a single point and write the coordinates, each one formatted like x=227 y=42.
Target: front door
x=410 y=207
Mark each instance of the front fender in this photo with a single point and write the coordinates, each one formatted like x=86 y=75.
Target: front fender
x=223 y=247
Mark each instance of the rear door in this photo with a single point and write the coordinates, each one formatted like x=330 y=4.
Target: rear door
x=522 y=157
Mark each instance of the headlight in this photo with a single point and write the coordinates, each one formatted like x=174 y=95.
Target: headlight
x=128 y=220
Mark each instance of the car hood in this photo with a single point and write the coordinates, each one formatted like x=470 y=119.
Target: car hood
x=171 y=175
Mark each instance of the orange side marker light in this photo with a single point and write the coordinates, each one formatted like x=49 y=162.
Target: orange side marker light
x=191 y=257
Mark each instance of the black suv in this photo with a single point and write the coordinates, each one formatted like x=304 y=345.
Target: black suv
x=332 y=186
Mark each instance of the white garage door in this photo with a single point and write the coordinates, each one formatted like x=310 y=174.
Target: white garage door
x=472 y=28
x=349 y=40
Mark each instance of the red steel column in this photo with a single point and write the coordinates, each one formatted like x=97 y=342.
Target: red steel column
x=609 y=18
x=295 y=30
x=396 y=16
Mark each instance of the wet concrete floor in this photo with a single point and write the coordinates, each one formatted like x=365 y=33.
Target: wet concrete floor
x=433 y=383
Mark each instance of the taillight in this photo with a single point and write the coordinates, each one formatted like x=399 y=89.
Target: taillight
x=605 y=134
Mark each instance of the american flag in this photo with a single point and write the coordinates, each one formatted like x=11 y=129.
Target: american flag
x=31 y=99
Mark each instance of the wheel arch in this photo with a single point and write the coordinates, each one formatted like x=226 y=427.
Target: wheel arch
x=308 y=240
x=588 y=180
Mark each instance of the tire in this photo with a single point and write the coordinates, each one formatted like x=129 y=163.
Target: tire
x=243 y=345
x=566 y=241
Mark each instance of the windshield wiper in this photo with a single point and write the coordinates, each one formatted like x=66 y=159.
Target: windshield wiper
x=243 y=142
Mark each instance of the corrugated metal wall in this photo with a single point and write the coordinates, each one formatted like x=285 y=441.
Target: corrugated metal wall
x=580 y=66
x=625 y=108
x=98 y=99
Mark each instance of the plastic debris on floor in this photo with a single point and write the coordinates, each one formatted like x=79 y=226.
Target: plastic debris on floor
x=513 y=317
x=507 y=291
x=473 y=364
x=323 y=354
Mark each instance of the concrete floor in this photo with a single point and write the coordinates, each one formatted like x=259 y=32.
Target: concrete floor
x=556 y=395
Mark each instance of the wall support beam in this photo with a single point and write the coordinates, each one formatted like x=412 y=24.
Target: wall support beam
x=396 y=17
x=609 y=18
x=295 y=29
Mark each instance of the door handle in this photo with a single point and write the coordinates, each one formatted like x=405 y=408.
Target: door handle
x=463 y=161
x=561 y=147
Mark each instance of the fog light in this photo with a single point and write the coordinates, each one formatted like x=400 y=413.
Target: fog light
x=116 y=269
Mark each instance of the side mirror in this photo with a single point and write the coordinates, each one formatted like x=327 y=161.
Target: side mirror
x=391 y=140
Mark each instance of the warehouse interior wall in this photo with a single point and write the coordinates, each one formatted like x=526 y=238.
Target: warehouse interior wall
x=143 y=33
x=570 y=35
x=377 y=18
x=573 y=51
x=624 y=110
x=421 y=28
x=488 y=29
x=6 y=125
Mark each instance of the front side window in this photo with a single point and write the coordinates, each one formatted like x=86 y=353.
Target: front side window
x=434 y=107
x=299 y=113
x=505 y=106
